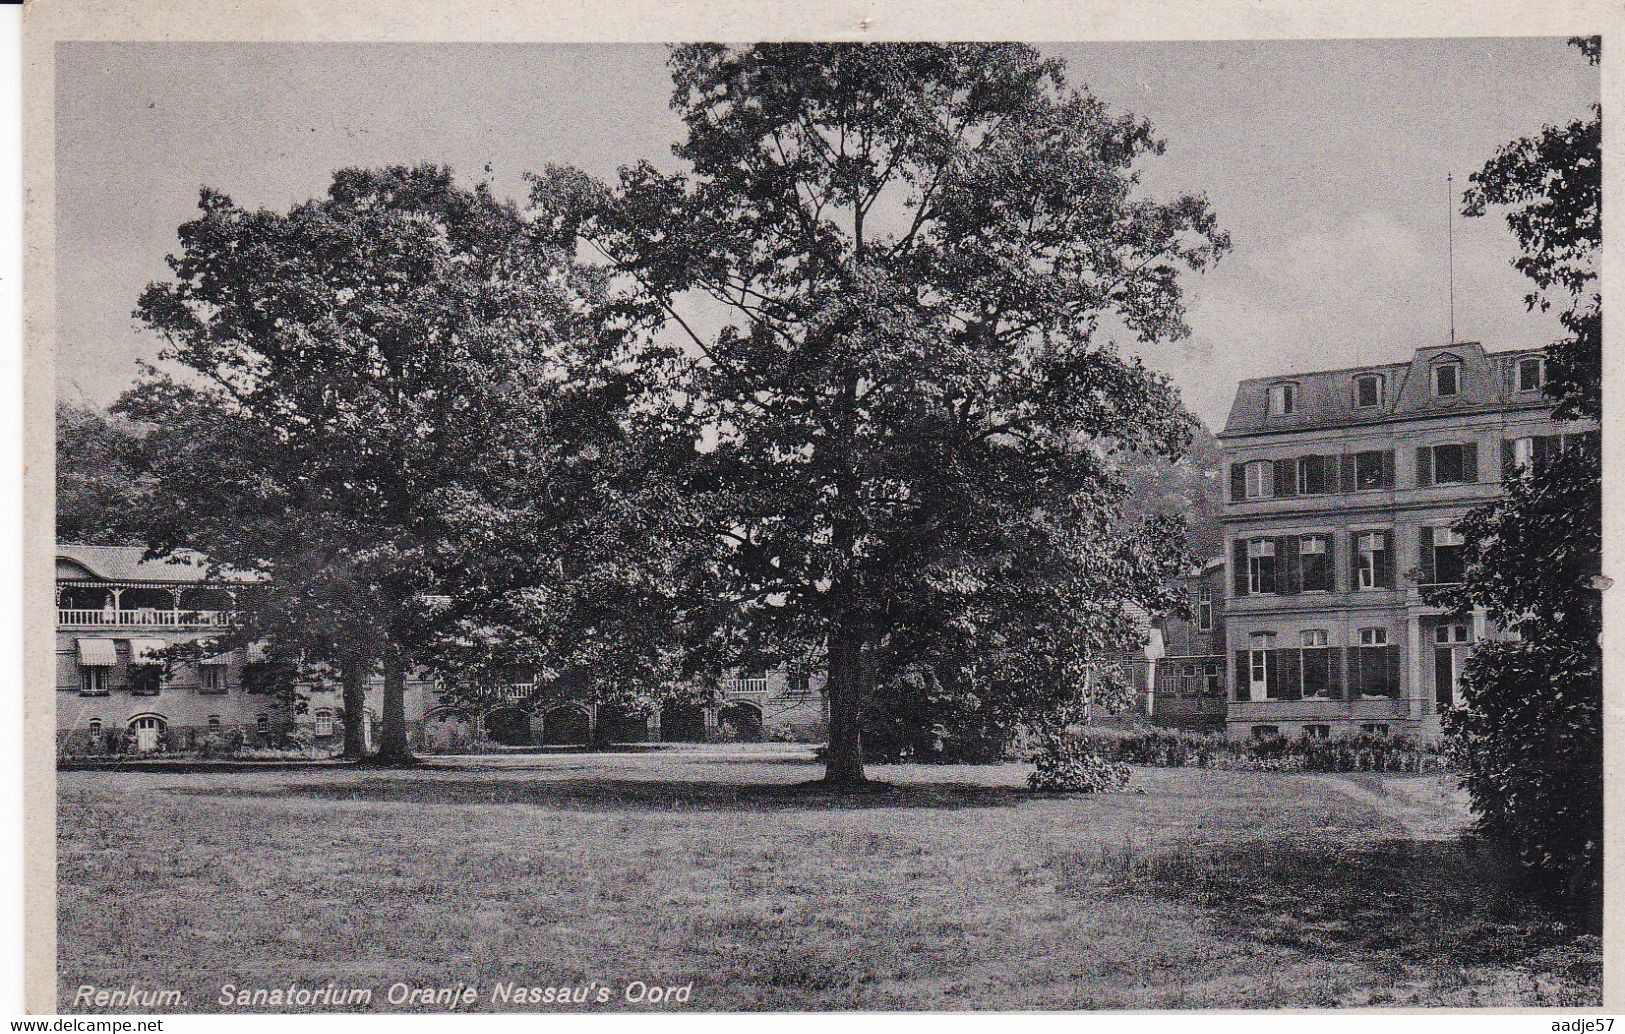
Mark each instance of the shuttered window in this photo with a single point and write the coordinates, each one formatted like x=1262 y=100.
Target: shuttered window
x=1319 y=666
x=1373 y=469
x=1450 y=463
x=1373 y=666
x=1373 y=564
x=1261 y=566
x=1448 y=561
x=1316 y=563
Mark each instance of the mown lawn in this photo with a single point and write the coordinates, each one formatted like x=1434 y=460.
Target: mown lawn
x=954 y=889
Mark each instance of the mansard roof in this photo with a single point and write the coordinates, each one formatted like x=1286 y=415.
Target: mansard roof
x=128 y=564
x=1326 y=398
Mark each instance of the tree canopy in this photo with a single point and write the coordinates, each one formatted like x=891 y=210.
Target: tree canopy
x=892 y=281
x=402 y=407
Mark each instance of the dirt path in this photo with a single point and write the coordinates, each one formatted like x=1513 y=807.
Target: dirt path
x=1428 y=807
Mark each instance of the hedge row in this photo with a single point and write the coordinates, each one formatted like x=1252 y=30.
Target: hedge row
x=1174 y=748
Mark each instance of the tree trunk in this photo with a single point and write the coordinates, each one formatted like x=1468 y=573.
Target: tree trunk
x=843 y=762
x=353 y=673
x=392 y=745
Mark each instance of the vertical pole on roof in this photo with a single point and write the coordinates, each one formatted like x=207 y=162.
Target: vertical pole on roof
x=1450 y=239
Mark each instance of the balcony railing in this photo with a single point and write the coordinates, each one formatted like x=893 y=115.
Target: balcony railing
x=744 y=687
x=149 y=617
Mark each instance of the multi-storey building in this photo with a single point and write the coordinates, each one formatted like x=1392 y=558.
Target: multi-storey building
x=119 y=690
x=1343 y=489
x=116 y=616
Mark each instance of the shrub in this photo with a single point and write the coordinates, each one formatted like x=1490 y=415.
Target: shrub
x=1070 y=763
x=1531 y=744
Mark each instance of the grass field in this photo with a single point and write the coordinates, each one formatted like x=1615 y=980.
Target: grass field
x=953 y=889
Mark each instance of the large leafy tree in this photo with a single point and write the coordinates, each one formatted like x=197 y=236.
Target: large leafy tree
x=397 y=404
x=892 y=280
x=1531 y=726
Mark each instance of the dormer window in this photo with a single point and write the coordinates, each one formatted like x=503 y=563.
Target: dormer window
x=1283 y=399
x=1446 y=378
x=1531 y=373
x=1368 y=391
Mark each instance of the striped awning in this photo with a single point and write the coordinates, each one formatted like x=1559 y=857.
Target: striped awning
x=96 y=653
x=144 y=651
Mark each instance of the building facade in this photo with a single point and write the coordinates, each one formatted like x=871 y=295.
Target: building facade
x=1191 y=675
x=119 y=692
x=116 y=614
x=1343 y=487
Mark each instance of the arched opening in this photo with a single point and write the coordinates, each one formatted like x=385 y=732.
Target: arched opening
x=617 y=724
x=682 y=723
x=566 y=725
x=508 y=726
x=149 y=732
x=449 y=728
x=740 y=720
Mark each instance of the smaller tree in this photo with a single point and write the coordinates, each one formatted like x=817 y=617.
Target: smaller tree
x=100 y=476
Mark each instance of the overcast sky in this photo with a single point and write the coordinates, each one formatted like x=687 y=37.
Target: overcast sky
x=1326 y=162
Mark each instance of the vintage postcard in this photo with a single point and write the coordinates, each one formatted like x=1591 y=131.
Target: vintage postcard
x=728 y=507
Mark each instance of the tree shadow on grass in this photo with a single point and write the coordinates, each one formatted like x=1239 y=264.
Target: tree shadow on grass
x=620 y=794
x=1394 y=902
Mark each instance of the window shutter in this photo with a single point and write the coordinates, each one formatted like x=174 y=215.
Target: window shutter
x=1469 y=462
x=1243 y=673
x=1240 y=564
x=1385 y=561
x=1334 y=674
x=1390 y=658
x=1287 y=569
x=1387 y=468
x=1346 y=474
x=1352 y=684
x=1286 y=478
x=1508 y=460
x=1424 y=466
x=1238 y=482
x=1354 y=561
x=1329 y=472
x=1425 y=556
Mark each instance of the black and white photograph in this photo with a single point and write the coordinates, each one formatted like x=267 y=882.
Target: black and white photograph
x=909 y=523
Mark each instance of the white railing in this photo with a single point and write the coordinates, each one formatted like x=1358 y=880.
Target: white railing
x=517 y=691
x=744 y=687
x=151 y=617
